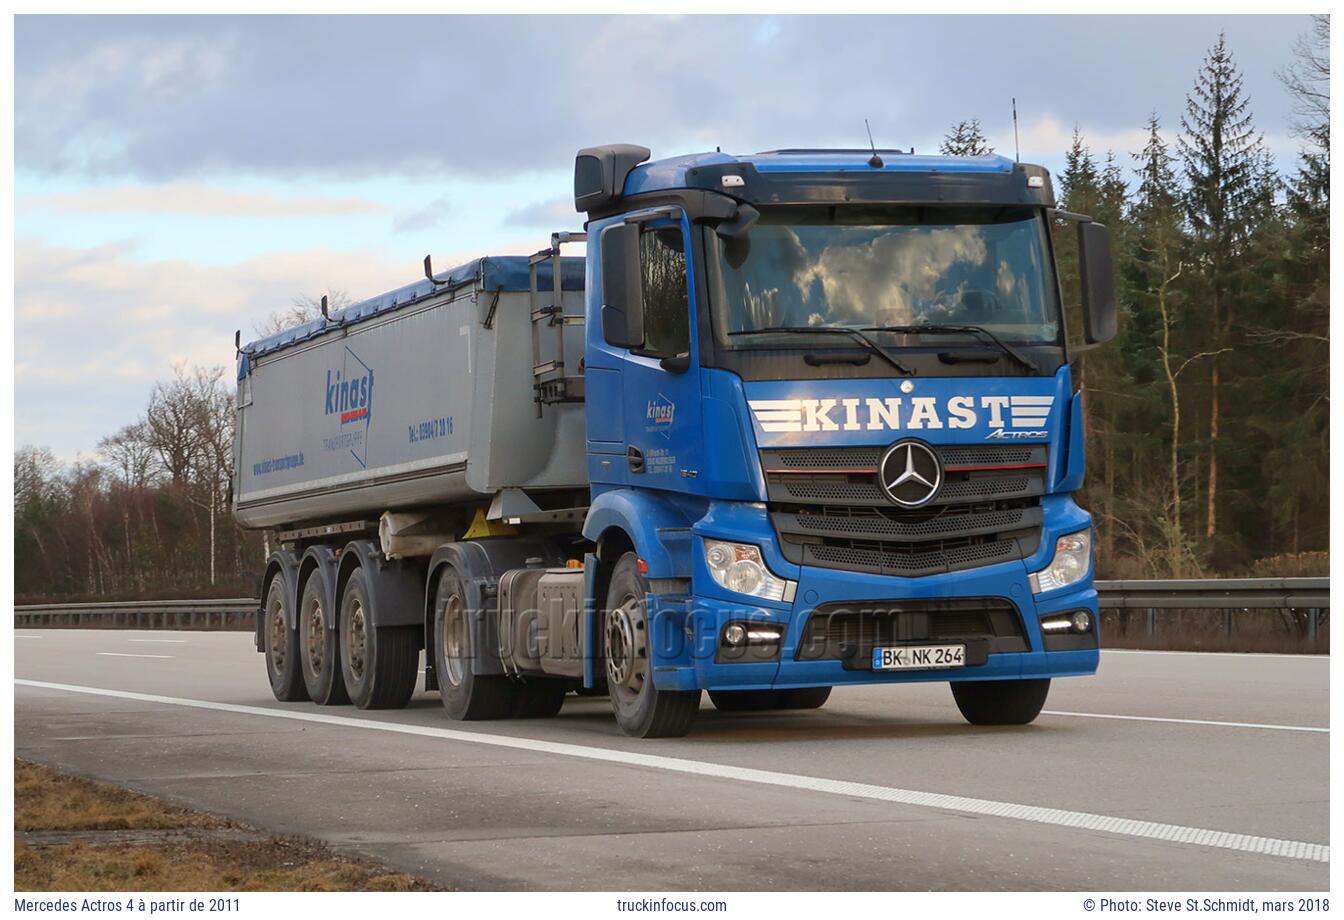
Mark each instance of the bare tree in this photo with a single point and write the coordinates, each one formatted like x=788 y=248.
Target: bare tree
x=129 y=455
x=1308 y=78
x=302 y=309
x=171 y=424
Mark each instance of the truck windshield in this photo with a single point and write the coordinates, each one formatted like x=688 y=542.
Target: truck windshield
x=888 y=267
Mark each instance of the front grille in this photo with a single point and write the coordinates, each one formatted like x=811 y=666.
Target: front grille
x=853 y=630
x=829 y=511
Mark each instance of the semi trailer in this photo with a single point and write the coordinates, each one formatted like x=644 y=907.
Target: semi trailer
x=795 y=420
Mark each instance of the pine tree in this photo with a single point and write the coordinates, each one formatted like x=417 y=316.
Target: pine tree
x=1224 y=169
x=965 y=139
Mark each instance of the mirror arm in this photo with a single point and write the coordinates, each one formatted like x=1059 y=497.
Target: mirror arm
x=1071 y=216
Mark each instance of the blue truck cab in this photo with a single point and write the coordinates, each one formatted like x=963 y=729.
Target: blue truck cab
x=833 y=432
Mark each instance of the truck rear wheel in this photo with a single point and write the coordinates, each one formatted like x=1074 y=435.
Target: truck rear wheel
x=282 y=646
x=318 y=646
x=756 y=700
x=378 y=664
x=642 y=710
x=1000 y=702
x=466 y=695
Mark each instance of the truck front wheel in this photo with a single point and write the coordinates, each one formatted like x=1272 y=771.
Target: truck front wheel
x=282 y=646
x=642 y=710
x=1000 y=702
x=466 y=695
x=378 y=664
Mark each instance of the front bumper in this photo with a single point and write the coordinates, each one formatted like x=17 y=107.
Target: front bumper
x=694 y=626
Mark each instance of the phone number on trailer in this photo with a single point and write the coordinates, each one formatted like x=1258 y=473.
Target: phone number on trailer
x=430 y=429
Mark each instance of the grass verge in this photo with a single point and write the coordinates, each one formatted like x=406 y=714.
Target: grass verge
x=74 y=834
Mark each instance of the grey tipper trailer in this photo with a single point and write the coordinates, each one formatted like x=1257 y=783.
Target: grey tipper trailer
x=421 y=398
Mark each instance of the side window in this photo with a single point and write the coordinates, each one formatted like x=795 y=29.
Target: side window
x=662 y=263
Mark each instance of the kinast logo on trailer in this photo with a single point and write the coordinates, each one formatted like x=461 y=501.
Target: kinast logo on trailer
x=349 y=395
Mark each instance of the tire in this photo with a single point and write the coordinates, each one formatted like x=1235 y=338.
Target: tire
x=540 y=697
x=1000 y=702
x=758 y=700
x=466 y=695
x=378 y=665
x=282 y=646
x=642 y=710
x=319 y=654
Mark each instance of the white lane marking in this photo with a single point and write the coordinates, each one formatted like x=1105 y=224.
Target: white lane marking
x=129 y=655
x=1128 y=827
x=1105 y=715
x=1162 y=651
x=17 y=636
x=166 y=641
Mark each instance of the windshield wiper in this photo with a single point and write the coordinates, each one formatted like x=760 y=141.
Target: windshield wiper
x=949 y=329
x=856 y=334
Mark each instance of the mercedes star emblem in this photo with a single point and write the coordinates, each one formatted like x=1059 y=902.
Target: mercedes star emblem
x=910 y=473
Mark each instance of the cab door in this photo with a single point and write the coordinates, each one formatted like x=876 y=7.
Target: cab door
x=648 y=383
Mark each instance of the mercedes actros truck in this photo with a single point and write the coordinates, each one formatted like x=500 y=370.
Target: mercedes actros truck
x=795 y=420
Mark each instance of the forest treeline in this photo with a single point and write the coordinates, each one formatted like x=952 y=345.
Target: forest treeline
x=1207 y=418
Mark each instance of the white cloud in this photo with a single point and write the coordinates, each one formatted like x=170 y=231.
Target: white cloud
x=95 y=328
x=192 y=198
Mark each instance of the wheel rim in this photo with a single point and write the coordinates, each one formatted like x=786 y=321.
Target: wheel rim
x=279 y=635
x=626 y=650
x=315 y=628
x=454 y=640
x=356 y=638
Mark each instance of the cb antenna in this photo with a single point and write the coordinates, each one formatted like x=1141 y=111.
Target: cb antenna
x=874 y=161
x=1017 y=149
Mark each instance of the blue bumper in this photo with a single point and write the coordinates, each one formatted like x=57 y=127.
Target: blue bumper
x=687 y=651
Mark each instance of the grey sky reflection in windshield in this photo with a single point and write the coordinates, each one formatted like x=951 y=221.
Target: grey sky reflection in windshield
x=790 y=272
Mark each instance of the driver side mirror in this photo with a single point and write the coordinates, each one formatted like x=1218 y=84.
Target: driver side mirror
x=1098 y=282
x=622 y=287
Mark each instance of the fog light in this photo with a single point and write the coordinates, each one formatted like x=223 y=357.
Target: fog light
x=735 y=634
x=1082 y=621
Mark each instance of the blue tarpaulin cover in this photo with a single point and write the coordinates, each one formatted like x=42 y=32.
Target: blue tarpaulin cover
x=492 y=273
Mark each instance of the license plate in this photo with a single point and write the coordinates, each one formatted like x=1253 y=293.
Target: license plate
x=912 y=657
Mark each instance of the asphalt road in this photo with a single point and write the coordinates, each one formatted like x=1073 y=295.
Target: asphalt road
x=1167 y=771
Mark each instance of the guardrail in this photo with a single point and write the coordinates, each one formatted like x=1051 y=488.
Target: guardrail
x=1305 y=597
x=227 y=613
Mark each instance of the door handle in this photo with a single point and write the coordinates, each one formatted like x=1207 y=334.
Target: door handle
x=635 y=457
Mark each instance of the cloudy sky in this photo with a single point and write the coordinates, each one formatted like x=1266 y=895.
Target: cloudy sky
x=178 y=178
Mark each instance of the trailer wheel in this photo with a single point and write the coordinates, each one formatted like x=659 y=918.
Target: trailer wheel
x=282 y=646
x=466 y=695
x=318 y=646
x=540 y=697
x=642 y=710
x=377 y=664
x=756 y=700
x=1000 y=702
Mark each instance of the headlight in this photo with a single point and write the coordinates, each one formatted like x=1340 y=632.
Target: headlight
x=740 y=568
x=1073 y=560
